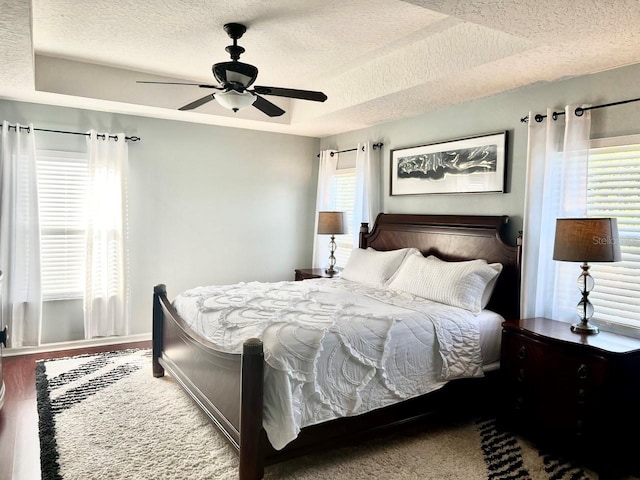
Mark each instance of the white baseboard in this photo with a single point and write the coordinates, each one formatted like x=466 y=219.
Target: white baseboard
x=94 y=342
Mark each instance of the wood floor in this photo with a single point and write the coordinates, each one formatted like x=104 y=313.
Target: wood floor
x=19 y=444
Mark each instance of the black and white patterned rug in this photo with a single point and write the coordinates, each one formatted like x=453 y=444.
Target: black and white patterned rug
x=105 y=417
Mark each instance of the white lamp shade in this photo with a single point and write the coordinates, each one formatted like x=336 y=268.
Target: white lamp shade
x=234 y=100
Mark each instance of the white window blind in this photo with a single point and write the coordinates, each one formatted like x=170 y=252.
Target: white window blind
x=614 y=191
x=62 y=189
x=344 y=189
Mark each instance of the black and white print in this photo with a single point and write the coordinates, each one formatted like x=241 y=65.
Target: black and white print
x=466 y=165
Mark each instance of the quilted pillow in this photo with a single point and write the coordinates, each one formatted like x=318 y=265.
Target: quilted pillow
x=372 y=267
x=467 y=284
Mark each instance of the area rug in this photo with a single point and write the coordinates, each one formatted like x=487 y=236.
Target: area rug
x=106 y=417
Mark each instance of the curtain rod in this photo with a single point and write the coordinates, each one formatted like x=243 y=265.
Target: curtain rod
x=579 y=111
x=100 y=135
x=375 y=146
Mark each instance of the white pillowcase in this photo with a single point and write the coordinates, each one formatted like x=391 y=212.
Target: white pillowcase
x=466 y=284
x=372 y=267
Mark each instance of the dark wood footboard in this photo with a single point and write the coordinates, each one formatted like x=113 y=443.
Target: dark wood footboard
x=227 y=387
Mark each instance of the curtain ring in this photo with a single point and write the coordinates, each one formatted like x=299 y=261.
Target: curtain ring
x=539 y=118
x=331 y=154
x=579 y=111
x=555 y=115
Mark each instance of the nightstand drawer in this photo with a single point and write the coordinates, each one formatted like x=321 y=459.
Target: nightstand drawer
x=552 y=386
x=554 y=364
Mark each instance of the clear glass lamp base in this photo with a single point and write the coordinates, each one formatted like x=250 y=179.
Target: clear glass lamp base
x=332 y=258
x=584 y=307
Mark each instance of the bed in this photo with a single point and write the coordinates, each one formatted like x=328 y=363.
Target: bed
x=230 y=387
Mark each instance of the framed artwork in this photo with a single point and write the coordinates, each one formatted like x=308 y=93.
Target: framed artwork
x=464 y=165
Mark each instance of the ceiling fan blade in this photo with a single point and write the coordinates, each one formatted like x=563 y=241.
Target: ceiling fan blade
x=266 y=107
x=291 y=93
x=197 y=103
x=182 y=83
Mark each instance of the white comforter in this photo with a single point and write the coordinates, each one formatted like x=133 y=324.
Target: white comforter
x=335 y=348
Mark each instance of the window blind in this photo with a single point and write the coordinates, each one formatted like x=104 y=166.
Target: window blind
x=62 y=188
x=614 y=191
x=344 y=189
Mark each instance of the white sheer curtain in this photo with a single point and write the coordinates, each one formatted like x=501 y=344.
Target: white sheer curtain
x=106 y=302
x=324 y=201
x=556 y=187
x=20 y=237
x=368 y=199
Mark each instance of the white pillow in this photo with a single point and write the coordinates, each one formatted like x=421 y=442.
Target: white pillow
x=372 y=267
x=466 y=284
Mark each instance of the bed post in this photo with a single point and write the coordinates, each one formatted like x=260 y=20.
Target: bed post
x=364 y=230
x=158 y=291
x=251 y=397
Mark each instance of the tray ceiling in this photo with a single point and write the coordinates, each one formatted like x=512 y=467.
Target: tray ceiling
x=377 y=60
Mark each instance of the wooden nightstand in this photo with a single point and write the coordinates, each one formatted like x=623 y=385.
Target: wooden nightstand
x=307 y=273
x=574 y=394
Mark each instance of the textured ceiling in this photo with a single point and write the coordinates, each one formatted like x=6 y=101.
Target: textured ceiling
x=377 y=60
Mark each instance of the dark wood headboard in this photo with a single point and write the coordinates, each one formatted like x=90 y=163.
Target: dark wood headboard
x=454 y=238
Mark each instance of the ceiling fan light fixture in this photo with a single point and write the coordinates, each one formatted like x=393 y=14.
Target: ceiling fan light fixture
x=235 y=100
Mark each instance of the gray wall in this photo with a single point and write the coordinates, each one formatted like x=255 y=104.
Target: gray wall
x=207 y=205
x=498 y=113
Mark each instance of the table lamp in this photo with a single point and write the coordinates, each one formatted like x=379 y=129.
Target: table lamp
x=586 y=240
x=332 y=223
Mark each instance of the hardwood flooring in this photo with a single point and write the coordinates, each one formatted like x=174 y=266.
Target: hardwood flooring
x=19 y=443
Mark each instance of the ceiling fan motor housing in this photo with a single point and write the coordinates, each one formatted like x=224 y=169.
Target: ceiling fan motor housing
x=235 y=73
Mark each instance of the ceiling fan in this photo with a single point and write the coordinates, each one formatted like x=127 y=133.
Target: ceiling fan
x=235 y=78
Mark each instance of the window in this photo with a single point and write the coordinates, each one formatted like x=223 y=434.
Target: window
x=344 y=189
x=62 y=188
x=613 y=191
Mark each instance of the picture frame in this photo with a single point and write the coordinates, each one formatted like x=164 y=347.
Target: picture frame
x=474 y=164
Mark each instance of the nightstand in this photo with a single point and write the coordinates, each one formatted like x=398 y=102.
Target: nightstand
x=307 y=273
x=571 y=393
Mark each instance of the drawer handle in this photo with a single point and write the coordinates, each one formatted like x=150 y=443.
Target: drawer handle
x=582 y=372
x=521 y=353
x=521 y=375
x=3 y=337
x=519 y=404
